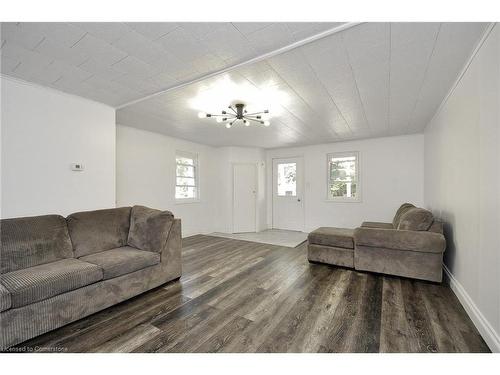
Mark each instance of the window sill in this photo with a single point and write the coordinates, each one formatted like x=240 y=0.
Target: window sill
x=187 y=201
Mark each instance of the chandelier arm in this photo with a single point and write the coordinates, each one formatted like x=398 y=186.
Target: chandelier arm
x=252 y=119
x=256 y=113
x=253 y=116
x=232 y=109
x=226 y=115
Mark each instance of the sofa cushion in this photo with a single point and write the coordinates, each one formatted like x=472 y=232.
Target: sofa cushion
x=416 y=219
x=376 y=224
x=419 y=241
x=5 y=300
x=401 y=210
x=328 y=236
x=95 y=231
x=149 y=228
x=37 y=283
x=123 y=260
x=436 y=227
x=31 y=241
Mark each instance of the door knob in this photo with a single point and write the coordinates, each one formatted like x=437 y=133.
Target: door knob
x=298 y=199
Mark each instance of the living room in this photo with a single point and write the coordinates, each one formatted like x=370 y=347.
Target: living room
x=249 y=185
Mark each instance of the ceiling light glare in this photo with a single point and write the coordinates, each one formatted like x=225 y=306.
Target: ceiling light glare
x=224 y=91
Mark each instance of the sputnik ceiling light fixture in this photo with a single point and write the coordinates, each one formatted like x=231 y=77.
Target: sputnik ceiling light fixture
x=238 y=113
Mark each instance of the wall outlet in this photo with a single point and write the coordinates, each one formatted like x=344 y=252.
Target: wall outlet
x=78 y=167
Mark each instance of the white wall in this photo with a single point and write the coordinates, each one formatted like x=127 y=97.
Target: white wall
x=462 y=186
x=43 y=132
x=145 y=175
x=391 y=173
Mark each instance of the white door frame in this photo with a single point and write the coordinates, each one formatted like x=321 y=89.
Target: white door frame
x=255 y=165
x=303 y=187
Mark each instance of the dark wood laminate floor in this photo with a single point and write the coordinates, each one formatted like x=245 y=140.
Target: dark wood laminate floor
x=237 y=296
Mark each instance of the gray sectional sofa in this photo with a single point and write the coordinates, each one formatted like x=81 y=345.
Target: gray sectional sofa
x=56 y=270
x=411 y=246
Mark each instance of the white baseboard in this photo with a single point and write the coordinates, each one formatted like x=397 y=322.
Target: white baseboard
x=491 y=337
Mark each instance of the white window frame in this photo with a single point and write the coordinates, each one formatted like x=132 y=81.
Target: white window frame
x=329 y=156
x=194 y=156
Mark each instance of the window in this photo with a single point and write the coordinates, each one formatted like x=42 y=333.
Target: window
x=186 y=176
x=343 y=177
x=287 y=179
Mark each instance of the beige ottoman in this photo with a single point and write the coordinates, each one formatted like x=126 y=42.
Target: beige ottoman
x=331 y=246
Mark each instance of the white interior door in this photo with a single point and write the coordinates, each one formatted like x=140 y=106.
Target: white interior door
x=288 y=202
x=244 y=198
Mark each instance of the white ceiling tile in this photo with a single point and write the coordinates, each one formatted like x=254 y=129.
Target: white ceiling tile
x=97 y=67
x=249 y=27
x=15 y=34
x=208 y=63
x=60 y=33
x=184 y=46
x=453 y=47
x=200 y=30
x=153 y=30
x=24 y=56
x=369 y=53
x=8 y=64
x=28 y=68
x=332 y=67
x=72 y=76
x=403 y=33
x=50 y=73
x=107 y=31
x=367 y=36
x=368 y=49
x=263 y=79
x=164 y=80
x=14 y=51
x=99 y=49
x=137 y=45
x=140 y=84
x=134 y=66
x=69 y=55
x=408 y=66
x=228 y=43
x=271 y=37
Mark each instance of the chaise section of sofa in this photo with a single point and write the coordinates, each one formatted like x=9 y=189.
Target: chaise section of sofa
x=56 y=270
x=412 y=245
x=332 y=246
x=414 y=254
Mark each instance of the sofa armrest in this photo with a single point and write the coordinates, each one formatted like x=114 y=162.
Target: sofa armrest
x=171 y=252
x=149 y=228
x=421 y=241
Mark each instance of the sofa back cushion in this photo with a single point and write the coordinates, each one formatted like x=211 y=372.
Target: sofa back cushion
x=95 y=231
x=416 y=219
x=149 y=228
x=401 y=210
x=436 y=227
x=31 y=241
